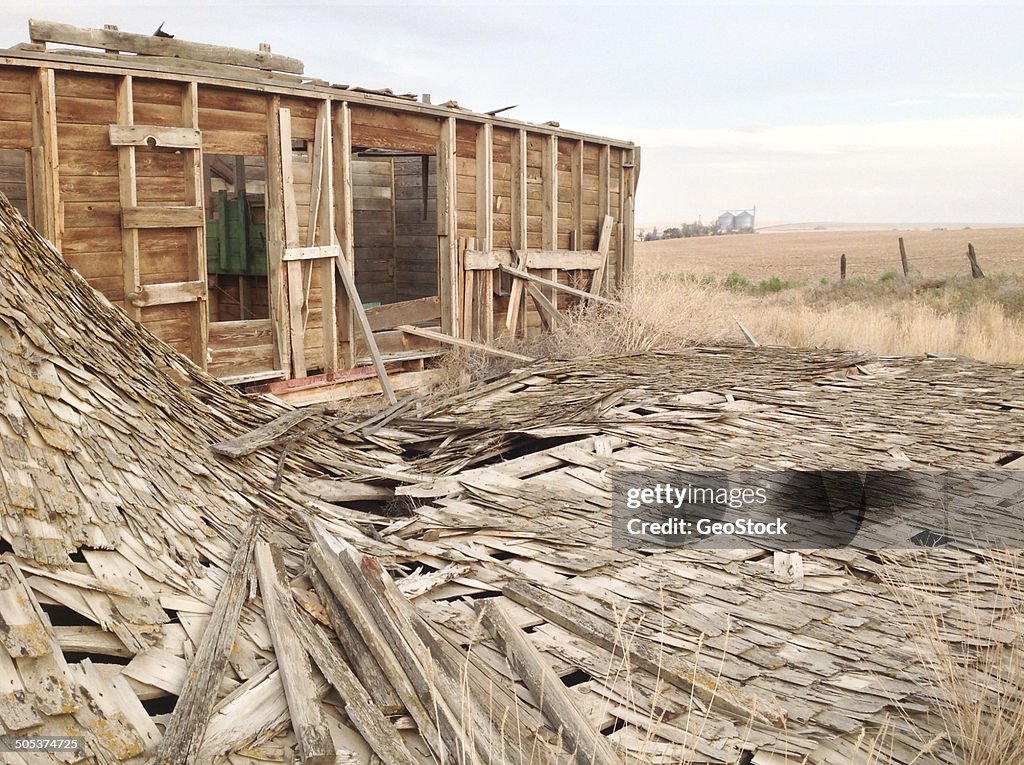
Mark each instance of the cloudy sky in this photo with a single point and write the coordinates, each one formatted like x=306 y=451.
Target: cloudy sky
x=813 y=112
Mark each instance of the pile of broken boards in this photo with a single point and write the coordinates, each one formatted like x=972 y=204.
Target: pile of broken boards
x=193 y=577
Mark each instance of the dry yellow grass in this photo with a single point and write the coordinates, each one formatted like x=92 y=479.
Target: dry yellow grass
x=810 y=255
x=940 y=310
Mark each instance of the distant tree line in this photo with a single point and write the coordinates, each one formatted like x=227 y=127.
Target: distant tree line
x=683 y=231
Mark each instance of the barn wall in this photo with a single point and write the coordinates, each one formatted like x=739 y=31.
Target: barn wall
x=396 y=239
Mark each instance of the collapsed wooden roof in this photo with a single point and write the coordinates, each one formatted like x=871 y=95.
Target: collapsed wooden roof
x=143 y=610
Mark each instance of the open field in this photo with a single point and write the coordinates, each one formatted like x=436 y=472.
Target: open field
x=812 y=255
x=785 y=288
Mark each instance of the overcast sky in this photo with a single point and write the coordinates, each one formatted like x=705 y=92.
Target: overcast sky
x=814 y=112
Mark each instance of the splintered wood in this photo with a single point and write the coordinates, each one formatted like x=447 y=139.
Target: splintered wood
x=437 y=583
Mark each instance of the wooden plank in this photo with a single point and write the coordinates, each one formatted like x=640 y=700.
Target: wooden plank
x=265 y=435
x=548 y=311
x=191 y=715
x=485 y=226
x=151 y=45
x=549 y=215
x=308 y=721
x=344 y=228
x=603 y=245
x=557 y=286
x=155 y=135
x=628 y=219
x=562 y=711
x=275 y=238
x=367 y=718
x=356 y=651
x=130 y=268
x=447 y=230
x=312 y=253
x=326 y=235
x=46 y=209
x=364 y=324
x=415 y=311
x=576 y=201
x=167 y=294
x=565 y=260
x=195 y=197
x=441 y=337
x=357 y=582
x=296 y=292
x=162 y=217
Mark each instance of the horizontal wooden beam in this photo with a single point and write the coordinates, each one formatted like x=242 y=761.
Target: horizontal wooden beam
x=154 y=135
x=168 y=294
x=312 y=253
x=150 y=45
x=407 y=312
x=566 y=260
x=558 y=286
x=441 y=337
x=162 y=217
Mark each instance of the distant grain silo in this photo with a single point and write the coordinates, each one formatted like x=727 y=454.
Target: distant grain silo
x=743 y=221
x=726 y=222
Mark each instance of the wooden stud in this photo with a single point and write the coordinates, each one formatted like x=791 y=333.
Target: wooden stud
x=342 y=130
x=549 y=223
x=447 y=230
x=628 y=220
x=603 y=203
x=516 y=305
x=620 y=244
x=485 y=226
x=45 y=195
x=469 y=302
x=325 y=233
x=295 y=278
x=130 y=268
x=197 y=268
x=577 y=194
x=275 y=237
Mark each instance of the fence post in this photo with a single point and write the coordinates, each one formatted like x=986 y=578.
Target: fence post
x=903 y=259
x=842 y=267
x=976 y=271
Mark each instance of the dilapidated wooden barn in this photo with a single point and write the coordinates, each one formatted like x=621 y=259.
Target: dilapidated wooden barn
x=223 y=200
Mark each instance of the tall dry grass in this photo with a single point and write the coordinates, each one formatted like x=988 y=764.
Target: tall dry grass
x=660 y=311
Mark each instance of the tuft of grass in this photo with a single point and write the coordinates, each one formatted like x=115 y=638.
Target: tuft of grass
x=889 y=276
x=773 y=284
x=734 y=281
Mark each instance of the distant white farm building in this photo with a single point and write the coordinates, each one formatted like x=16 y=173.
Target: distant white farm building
x=730 y=222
